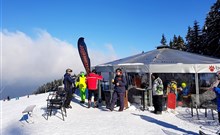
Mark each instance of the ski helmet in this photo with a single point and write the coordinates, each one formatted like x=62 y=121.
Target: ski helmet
x=183 y=85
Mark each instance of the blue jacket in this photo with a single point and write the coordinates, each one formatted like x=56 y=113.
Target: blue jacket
x=68 y=81
x=122 y=83
x=185 y=91
x=217 y=91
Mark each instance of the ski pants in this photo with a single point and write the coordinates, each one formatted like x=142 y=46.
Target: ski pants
x=96 y=94
x=68 y=97
x=157 y=103
x=82 y=93
x=115 y=96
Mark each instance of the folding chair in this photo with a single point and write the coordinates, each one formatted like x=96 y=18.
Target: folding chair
x=55 y=101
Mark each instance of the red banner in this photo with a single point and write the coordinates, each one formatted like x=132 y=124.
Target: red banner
x=82 y=48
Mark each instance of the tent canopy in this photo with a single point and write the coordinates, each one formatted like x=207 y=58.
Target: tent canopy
x=164 y=60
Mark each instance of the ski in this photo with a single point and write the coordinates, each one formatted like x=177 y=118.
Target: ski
x=215 y=131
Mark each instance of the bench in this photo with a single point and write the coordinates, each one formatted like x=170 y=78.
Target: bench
x=27 y=112
x=29 y=109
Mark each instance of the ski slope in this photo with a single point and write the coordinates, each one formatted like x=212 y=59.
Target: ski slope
x=82 y=121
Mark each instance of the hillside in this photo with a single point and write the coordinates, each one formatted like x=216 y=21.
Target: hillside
x=82 y=121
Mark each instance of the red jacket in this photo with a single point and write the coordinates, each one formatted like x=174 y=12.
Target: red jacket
x=92 y=81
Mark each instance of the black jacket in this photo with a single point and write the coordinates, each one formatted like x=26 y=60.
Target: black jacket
x=68 y=81
x=122 y=83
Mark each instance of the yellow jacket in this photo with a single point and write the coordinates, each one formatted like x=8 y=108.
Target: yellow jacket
x=81 y=83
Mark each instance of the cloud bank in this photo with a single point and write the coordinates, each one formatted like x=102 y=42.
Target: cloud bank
x=30 y=62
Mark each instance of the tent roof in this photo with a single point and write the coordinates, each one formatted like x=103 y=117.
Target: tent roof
x=163 y=59
x=166 y=56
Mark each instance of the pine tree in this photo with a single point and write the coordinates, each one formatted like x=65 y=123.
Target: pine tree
x=194 y=39
x=163 y=40
x=174 y=46
x=50 y=86
x=189 y=39
x=180 y=43
x=211 y=31
x=171 y=44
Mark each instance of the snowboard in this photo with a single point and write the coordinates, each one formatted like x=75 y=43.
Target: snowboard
x=171 y=101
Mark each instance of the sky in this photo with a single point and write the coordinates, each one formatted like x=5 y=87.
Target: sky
x=39 y=38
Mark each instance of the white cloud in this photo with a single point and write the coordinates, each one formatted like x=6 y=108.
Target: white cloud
x=42 y=59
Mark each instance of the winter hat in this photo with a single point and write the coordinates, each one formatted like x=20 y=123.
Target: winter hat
x=82 y=73
x=155 y=75
x=94 y=71
x=69 y=70
x=118 y=69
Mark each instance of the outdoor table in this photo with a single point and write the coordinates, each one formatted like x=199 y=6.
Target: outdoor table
x=143 y=96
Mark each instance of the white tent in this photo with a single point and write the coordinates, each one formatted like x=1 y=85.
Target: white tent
x=165 y=60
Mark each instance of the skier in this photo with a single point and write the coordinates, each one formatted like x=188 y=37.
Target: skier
x=81 y=83
x=119 y=90
x=92 y=83
x=157 y=93
x=68 y=81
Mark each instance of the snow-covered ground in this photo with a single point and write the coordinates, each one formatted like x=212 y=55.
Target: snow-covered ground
x=82 y=121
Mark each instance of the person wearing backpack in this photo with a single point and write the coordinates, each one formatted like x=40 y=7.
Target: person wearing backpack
x=157 y=93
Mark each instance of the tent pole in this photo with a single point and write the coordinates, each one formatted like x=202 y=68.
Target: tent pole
x=197 y=87
x=150 y=90
x=111 y=76
x=99 y=87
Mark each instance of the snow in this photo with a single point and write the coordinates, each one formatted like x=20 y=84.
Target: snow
x=81 y=120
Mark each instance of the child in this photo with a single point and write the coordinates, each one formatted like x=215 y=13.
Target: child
x=171 y=96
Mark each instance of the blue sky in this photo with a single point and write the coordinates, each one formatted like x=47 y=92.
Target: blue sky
x=129 y=25
x=39 y=37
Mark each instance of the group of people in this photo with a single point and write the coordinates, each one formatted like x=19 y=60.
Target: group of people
x=82 y=82
x=90 y=82
x=172 y=88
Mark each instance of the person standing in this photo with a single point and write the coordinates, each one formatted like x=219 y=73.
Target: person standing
x=217 y=91
x=119 y=90
x=171 y=96
x=92 y=84
x=157 y=93
x=68 y=82
x=184 y=94
x=81 y=84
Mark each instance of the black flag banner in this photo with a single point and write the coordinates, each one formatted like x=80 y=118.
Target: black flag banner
x=84 y=54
